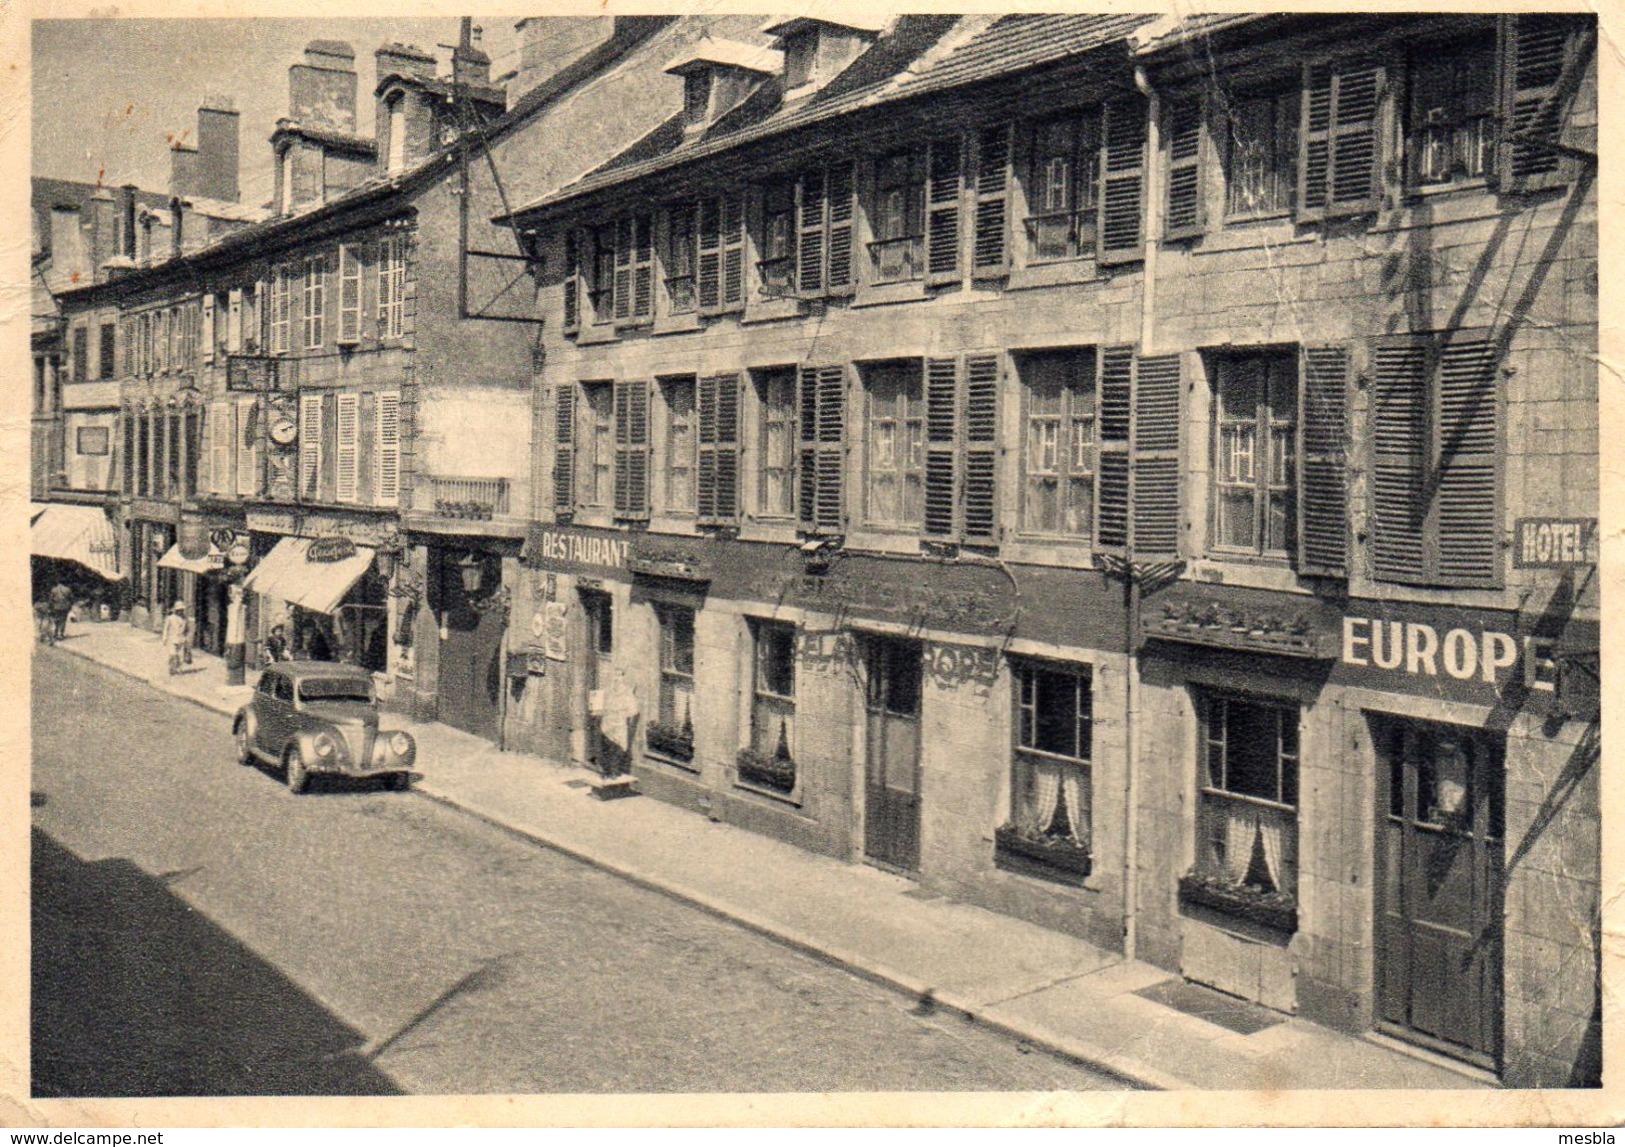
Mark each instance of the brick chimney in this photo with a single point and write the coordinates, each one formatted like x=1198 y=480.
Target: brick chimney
x=321 y=88
x=103 y=229
x=182 y=169
x=67 y=245
x=548 y=44
x=127 y=229
x=219 y=133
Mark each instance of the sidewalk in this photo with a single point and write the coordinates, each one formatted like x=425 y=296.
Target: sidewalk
x=1040 y=986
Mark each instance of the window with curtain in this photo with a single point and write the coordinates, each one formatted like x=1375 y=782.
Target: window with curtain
x=598 y=445
x=776 y=395
x=1261 y=153
x=672 y=732
x=778 y=264
x=1254 y=473
x=896 y=444
x=1058 y=460
x=678 y=465
x=1050 y=775
x=1451 y=125
x=769 y=759
x=898 y=221
x=1061 y=186
x=1247 y=821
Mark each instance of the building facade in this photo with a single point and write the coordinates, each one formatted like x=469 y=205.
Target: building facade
x=1151 y=498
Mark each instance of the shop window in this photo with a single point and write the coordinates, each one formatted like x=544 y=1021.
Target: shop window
x=776 y=396
x=1255 y=436
x=896 y=444
x=1247 y=815
x=680 y=453
x=672 y=732
x=767 y=761
x=1051 y=787
x=1450 y=124
x=1058 y=460
x=898 y=221
x=1261 y=156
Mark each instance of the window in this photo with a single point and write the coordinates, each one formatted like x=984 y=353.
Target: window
x=896 y=444
x=1247 y=822
x=672 y=732
x=633 y=283
x=93 y=440
x=1450 y=124
x=800 y=59
x=602 y=293
x=347 y=461
x=898 y=222
x=81 y=353
x=310 y=445
x=680 y=261
x=824 y=230
x=395 y=158
x=631 y=449
x=768 y=761
x=822 y=501
x=776 y=396
x=281 y=308
x=107 y=351
x=1051 y=786
x=696 y=95
x=778 y=263
x=1255 y=437
x=1436 y=470
x=598 y=445
x=349 y=294
x=315 y=299
x=1061 y=187
x=287 y=179
x=717 y=489
x=961 y=441
x=386 y=452
x=1261 y=154
x=680 y=454
x=248 y=450
x=1058 y=461
x=392 y=287
x=721 y=247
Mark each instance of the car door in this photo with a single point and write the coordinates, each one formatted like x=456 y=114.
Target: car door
x=276 y=713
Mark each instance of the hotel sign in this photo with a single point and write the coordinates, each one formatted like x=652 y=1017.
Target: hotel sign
x=1553 y=543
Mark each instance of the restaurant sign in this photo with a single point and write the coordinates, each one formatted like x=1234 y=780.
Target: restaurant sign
x=566 y=550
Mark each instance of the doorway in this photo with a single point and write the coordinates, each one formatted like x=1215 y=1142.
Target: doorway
x=472 y=622
x=1440 y=850
x=891 y=833
x=598 y=651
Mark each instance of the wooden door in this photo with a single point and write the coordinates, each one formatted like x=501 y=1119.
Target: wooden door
x=1440 y=885
x=892 y=770
x=472 y=619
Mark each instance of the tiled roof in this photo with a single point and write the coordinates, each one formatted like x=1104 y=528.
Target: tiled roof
x=1173 y=30
x=345 y=140
x=909 y=61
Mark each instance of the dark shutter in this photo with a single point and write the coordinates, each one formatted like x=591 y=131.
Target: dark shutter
x=941 y=444
x=1122 y=176
x=643 y=267
x=945 y=174
x=1154 y=456
x=733 y=250
x=1399 y=442
x=807 y=448
x=710 y=254
x=1338 y=153
x=1467 y=437
x=564 y=453
x=990 y=245
x=1114 y=388
x=842 y=191
x=622 y=299
x=717 y=403
x=1323 y=522
x=572 y=282
x=632 y=449
x=1184 y=170
x=1539 y=62
x=821 y=505
x=981 y=447
x=810 y=208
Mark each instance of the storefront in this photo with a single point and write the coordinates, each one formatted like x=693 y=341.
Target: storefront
x=74 y=546
x=150 y=530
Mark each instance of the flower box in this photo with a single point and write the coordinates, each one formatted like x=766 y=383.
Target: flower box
x=1046 y=857
x=1277 y=911
x=775 y=773
x=670 y=740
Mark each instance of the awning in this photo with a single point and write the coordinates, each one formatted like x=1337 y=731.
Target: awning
x=287 y=573
x=77 y=534
x=173 y=559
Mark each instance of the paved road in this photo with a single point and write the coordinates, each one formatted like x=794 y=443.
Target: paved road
x=198 y=930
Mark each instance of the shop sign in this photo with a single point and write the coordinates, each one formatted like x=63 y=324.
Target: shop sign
x=192 y=536
x=1553 y=543
x=555 y=638
x=330 y=549
x=273 y=521
x=238 y=554
x=1418 y=649
x=576 y=548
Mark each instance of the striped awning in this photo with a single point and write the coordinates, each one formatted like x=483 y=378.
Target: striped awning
x=288 y=574
x=76 y=534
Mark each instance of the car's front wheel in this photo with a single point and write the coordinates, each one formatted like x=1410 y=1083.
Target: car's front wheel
x=298 y=774
x=245 y=741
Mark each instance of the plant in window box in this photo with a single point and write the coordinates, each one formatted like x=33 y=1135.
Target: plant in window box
x=1043 y=847
x=672 y=739
x=1250 y=900
x=776 y=771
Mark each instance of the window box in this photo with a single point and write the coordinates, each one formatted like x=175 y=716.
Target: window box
x=1038 y=854
x=667 y=739
x=1277 y=911
x=776 y=773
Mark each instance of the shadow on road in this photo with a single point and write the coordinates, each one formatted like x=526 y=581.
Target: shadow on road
x=135 y=993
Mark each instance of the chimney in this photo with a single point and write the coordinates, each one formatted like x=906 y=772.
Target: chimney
x=128 y=204
x=67 y=245
x=182 y=169
x=404 y=60
x=549 y=44
x=218 y=159
x=470 y=65
x=177 y=227
x=404 y=121
x=103 y=229
x=321 y=89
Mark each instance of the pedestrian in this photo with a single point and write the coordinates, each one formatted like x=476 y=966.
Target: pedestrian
x=44 y=626
x=276 y=645
x=174 y=636
x=188 y=638
x=61 y=606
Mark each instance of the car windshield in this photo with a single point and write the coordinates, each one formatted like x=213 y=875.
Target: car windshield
x=335 y=689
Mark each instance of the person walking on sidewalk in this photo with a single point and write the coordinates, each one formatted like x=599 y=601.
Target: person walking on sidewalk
x=61 y=606
x=174 y=636
x=44 y=625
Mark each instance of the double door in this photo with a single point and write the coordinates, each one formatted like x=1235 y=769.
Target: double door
x=891 y=834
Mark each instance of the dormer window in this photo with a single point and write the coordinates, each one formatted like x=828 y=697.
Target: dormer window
x=396 y=158
x=287 y=179
x=816 y=51
x=800 y=60
x=696 y=96
x=718 y=75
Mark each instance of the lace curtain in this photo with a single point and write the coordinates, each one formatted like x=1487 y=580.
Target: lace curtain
x=1239 y=830
x=1051 y=786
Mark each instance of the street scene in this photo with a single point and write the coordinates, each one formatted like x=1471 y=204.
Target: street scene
x=774 y=553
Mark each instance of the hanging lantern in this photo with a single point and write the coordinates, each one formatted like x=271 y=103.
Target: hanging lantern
x=472 y=573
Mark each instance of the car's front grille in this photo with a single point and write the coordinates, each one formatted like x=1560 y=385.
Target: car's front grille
x=358 y=740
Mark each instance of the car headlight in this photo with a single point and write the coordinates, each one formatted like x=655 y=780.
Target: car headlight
x=323 y=744
x=400 y=744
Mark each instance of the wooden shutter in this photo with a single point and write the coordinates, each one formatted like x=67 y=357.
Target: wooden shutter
x=643 y=270
x=348 y=452
x=717 y=418
x=208 y=328
x=733 y=250
x=842 y=194
x=811 y=203
x=632 y=449
x=1466 y=428
x=387 y=449
x=941 y=445
x=246 y=440
x=710 y=254
x=1184 y=218
x=564 y=452
x=621 y=292
x=945 y=174
x=1154 y=457
x=1122 y=179
x=1323 y=521
x=820 y=507
x=990 y=243
x=1539 y=66
x=1399 y=440
x=1338 y=158
x=981 y=406
x=349 y=294
x=1114 y=390
x=310 y=444
x=221 y=448
x=572 y=282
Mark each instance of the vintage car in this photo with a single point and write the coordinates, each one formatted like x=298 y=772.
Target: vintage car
x=313 y=717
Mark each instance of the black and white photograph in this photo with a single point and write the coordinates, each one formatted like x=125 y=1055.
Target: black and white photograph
x=775 y=557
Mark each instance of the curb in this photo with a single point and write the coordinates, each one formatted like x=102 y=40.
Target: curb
x=1123 y=1068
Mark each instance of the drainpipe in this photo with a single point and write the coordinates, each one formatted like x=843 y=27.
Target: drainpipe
x=1131 y=583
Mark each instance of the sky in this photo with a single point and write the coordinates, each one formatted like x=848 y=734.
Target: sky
x=109 y=94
